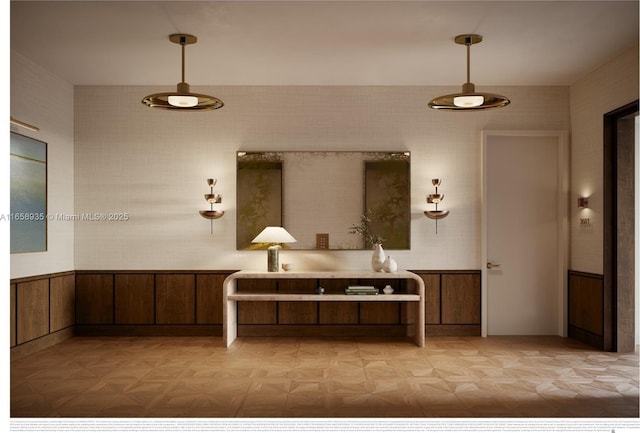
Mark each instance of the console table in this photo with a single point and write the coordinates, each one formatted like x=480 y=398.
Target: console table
x=415 y=327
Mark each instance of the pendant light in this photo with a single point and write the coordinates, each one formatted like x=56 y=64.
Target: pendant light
x=468 y=99
x=182 y=99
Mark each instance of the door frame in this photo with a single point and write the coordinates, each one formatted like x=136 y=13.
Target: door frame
x=618 y=314
x=563 y=219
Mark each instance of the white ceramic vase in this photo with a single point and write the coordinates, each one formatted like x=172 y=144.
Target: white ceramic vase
x=378 y=258
x=389 y=265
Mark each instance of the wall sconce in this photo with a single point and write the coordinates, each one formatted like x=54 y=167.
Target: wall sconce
x=212 y=199
x=25 y=125
x=583 y=202
x=436 y=199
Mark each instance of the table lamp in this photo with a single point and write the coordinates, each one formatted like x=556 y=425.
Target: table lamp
x=273 y=236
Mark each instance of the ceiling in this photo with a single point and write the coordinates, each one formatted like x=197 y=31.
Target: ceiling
x=322 y=43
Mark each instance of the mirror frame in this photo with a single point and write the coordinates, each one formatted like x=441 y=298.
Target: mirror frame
x=265 y=177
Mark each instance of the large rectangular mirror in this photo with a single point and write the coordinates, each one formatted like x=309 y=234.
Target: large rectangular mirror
x=319 y=196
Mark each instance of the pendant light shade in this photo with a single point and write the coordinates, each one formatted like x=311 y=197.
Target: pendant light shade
x=468 y=99
x=182 y=98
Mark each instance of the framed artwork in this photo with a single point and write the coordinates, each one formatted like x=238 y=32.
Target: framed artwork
x=28 y=194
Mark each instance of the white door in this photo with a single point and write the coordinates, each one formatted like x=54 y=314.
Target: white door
x=524 y=232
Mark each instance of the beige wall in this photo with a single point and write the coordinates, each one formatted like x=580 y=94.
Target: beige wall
x=44 y=100
x=154 y=164
x=611 y=86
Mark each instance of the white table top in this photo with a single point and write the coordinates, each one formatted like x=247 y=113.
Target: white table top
x=324 y=274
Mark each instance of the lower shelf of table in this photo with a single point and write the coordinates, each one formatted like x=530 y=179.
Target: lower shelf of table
x=289 y=297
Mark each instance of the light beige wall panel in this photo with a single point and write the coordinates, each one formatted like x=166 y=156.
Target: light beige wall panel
x=44 y=100
x=606 y=88
x=152 y=165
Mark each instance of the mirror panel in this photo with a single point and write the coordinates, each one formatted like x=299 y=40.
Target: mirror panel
x=318 y=196
x=259 y=198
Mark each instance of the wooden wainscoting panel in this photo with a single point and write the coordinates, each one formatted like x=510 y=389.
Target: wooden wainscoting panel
x=209 y=298
x=586 y=299
x=175 y=299
x=297 y=313
x=12 y=305
x=63 y=302
x=134 y=299
x=431 y=298
x=460 y=299
x=379 y=313
x=337 y=313
x=304 y=286
x=94 y=298
x=33 y=310
x=254 y=313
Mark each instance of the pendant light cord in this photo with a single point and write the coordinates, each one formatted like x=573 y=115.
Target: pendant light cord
x=468 y=44
x=183 y=42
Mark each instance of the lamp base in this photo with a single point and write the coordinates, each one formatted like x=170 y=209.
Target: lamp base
x=272 y=258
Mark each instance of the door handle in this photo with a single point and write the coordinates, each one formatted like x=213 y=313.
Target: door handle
x=492 y=265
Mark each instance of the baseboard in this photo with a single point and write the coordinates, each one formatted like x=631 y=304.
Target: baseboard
x=41 y=343
x=336 y=331
x=148 y=330
x=453 y=331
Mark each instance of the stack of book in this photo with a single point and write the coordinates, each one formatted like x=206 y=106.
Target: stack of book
x=361 y=290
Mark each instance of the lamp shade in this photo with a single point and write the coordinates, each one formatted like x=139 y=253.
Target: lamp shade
x=274 y=235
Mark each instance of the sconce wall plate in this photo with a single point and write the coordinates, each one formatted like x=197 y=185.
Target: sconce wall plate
x=583 y=202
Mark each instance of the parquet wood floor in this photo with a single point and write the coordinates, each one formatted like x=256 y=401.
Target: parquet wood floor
x=302 y=377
